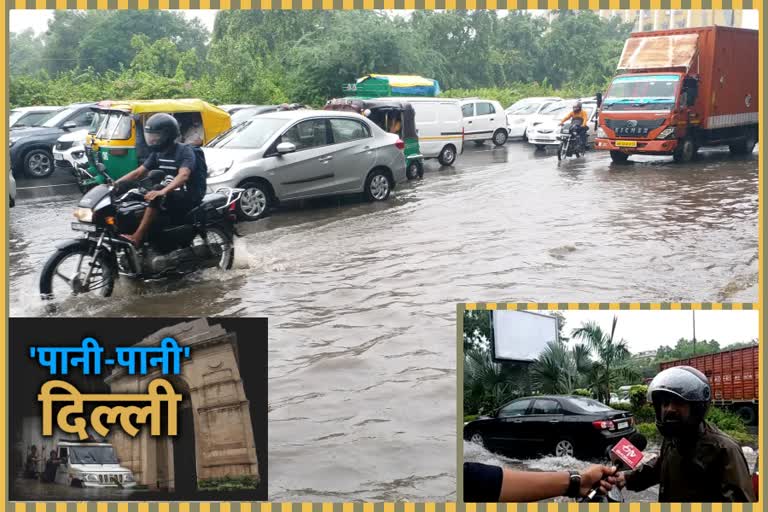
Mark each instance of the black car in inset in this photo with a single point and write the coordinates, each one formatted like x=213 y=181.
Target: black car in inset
x=562 y=425
x=31 y=147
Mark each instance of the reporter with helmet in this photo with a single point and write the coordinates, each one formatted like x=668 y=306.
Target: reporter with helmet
x=697 y=463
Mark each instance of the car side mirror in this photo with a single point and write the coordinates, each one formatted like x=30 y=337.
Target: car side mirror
x=286 y=147
x=69 y=125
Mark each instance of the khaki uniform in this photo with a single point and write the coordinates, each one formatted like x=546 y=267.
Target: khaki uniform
x=712 y=470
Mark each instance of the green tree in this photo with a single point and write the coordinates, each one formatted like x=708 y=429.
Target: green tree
x=25 y=53
x=489 y=385
x=477 y=329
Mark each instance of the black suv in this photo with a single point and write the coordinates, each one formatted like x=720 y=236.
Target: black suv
x=31 y=147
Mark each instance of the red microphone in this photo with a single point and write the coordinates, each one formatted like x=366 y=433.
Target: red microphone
x=625 y=455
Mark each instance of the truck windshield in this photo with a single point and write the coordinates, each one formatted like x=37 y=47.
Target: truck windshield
x=92 y=455
x=645 y=92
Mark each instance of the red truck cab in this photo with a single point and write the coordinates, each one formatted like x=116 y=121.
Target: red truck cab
x=682 y=89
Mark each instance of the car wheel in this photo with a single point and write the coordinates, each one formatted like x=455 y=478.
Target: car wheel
x=500 y=138
x=477 y=438
x=414 y=170
x=38 y=163
x=447 y=155
x=479 y=143
x=378 y=185
x=565 y=448
x=255 y=202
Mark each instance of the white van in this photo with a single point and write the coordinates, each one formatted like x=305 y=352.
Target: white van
x=439 y=125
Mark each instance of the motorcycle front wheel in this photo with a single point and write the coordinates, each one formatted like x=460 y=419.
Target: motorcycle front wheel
x=562 y=152
x=66 y=274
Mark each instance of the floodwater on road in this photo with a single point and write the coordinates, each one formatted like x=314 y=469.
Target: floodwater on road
x=361 y=297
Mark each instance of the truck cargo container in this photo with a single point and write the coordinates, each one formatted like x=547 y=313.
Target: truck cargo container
x=733 y=376
x=678 y=90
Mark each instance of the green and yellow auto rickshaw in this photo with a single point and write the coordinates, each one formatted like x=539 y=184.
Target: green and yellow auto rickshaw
x=118 y=142
x=392 y=115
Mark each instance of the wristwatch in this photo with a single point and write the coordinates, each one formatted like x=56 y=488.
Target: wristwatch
x=574 y=485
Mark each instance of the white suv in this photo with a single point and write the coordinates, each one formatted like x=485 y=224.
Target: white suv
x=484 y=120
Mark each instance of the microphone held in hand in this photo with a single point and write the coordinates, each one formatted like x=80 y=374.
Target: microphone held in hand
x=625 y=455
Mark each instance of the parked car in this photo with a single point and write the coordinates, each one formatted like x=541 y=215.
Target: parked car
x=544 y=130
x=11 y=190
x=562 y=425
x=244 y=114
x=69 y=150
x=231 y=109
x=31 y=148
x=30 y=116
x=520 y=112
x=301 y=154
x=484 y=120
x=439 y=126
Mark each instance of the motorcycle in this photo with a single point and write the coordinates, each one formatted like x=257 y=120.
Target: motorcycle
x=570 y=141
x=204 y=238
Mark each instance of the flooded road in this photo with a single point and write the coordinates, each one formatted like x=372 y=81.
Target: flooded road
x=361 y=297
x=476 y=453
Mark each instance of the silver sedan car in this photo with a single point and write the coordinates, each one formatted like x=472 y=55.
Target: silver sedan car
x=304 y=154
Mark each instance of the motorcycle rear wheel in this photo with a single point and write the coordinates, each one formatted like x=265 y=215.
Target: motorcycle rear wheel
x=58 y=275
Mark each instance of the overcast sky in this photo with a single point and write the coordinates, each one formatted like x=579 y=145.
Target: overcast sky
x=648 y=330
x=20 y=20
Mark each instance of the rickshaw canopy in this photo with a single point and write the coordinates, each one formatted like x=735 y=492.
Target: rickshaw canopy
x=358 y=105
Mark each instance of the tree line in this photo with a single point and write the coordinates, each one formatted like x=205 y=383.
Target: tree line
x=266 y=57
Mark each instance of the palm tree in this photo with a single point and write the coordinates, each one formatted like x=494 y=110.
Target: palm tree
x=559 y=370
x=487 y=384
x=612 y=358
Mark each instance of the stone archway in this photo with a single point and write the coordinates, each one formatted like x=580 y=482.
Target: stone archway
x=214 y=405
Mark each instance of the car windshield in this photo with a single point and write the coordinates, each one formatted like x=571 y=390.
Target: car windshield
x=15 y=116
x=251 y=134
x=98 y=118
x=19 y=118
x=656 y=92
x=556 y=109
x=246 y=114
x=60 y=116
x=117 y=126
x=588 y=405
x=92 y=455
x=529 y=107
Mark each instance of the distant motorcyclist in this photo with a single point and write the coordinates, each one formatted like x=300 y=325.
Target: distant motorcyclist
x=161 y=132
x=579 y=122
x=697 y=463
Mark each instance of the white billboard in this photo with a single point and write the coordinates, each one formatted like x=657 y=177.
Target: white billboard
x=521 y=335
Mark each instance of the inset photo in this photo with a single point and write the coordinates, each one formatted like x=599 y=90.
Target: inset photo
x=598 y=405
x=150 y=409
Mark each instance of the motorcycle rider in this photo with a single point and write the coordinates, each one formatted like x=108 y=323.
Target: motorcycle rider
x=161 y=132
x=578 y=113
x=697 y=463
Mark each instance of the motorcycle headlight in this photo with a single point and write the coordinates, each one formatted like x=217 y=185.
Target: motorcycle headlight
x=218 y=171
x=666 y=133
x=84 y=214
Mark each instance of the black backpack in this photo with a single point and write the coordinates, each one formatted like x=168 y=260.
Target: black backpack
x=199 y=173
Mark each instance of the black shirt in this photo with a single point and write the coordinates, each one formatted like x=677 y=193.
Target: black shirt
x=173 y=159
x=482 y=483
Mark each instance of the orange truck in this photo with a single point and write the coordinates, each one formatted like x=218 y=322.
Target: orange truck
x=733 y=377
x=678 y=90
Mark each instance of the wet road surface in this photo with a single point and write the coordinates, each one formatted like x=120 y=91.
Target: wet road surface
x=361 y=297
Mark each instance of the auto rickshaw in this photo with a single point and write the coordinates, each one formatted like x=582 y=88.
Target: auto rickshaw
x=118 y=142
x=392 y=115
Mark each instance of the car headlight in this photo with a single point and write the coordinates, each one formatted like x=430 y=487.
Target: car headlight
x=90 y=478
x=84 y=214
x=218 y=171
x=666 y=133
x=600 y=133
x=127 y=477
x=78 y=154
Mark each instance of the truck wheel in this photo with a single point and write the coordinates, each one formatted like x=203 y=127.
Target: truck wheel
x=685 y=151
x=618 y=157
x=744 y=147
x=747 y=414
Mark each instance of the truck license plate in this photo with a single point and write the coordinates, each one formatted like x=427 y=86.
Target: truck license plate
x=622 y=425
x=626 y=143
x=80 y=226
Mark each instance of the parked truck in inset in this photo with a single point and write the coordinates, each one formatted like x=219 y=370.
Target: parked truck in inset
x=678 y=90
x=733 y=377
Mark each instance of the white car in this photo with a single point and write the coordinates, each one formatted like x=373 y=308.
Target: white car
x=301 y=154
x=69 y=150
x=484 y=120
x=91 y=465
x=544 y=129
x=30 y=116
x=522 y=111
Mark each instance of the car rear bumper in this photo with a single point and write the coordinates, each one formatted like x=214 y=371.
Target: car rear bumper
x=645 y=147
